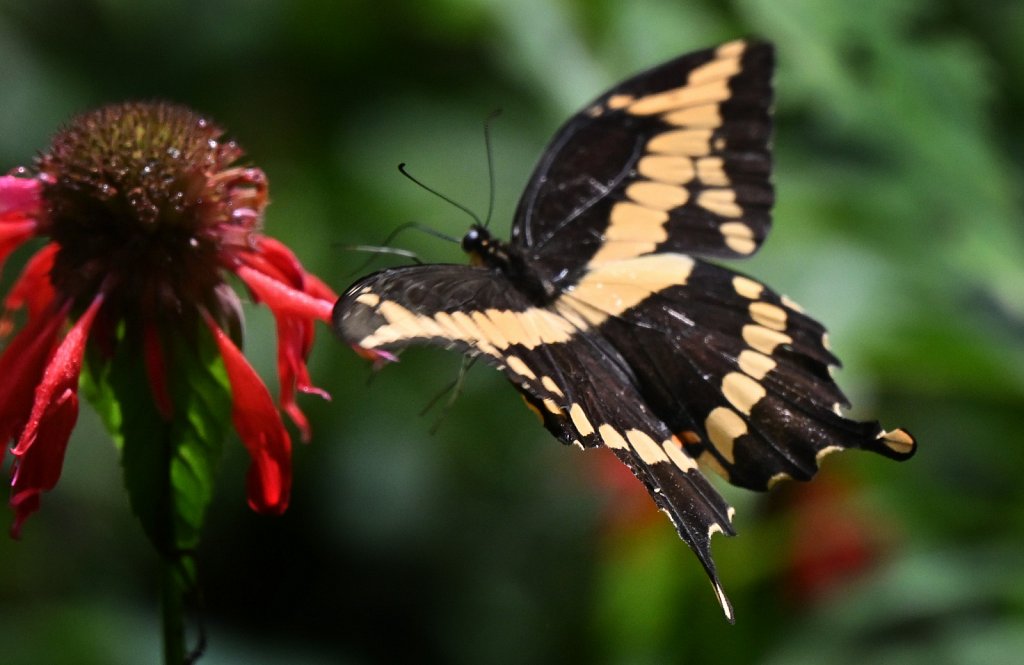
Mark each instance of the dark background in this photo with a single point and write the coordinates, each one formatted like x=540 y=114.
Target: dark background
x=898 y=225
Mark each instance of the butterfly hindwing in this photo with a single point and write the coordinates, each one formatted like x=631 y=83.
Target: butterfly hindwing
x=741 y=376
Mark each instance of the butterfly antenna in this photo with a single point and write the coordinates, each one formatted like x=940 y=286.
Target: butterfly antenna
x=432 y=232
x=383 y=248
x=490 y=164
x=443 y=197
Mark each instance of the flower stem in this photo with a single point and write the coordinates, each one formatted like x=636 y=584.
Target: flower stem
x=174 y=585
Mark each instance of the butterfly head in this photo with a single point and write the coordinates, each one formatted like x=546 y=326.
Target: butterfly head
x=478 y=244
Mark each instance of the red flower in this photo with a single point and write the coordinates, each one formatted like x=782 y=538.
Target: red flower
x=146 y=214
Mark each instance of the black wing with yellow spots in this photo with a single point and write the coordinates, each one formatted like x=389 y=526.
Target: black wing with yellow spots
x=675 y=159
x=600 y=315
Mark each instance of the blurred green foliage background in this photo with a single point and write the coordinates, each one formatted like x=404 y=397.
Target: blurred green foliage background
x=899 y=225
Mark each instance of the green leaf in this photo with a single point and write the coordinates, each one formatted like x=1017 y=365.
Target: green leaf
x=169 y=467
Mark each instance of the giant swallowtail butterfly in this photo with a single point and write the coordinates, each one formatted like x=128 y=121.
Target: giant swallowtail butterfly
x=599 y=313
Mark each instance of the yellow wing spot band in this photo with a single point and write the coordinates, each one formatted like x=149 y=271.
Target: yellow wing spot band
x=612 y=438
x=671 y=169
x=742 y=391
x=552 y=407
x=705 y=116
x=605 y=290
x=898 y=441
x=768 y=315
x=516 y=364
x=755 y=364
x=721 y=202
x=580 y=421
x=686 y=142
x=489 y=330
x=679 y=170
x=716 y=70
x=790 y=304
x=551 y=386
x=609 y=289
x=724 y=426
x=674 y=450
x=764 y=339
x=711 y=171
x=645 y=447
x=368 y=299
x=706 y=87
x=747 y=288
x=657 y=196
x=738 y=237
x=616 y=102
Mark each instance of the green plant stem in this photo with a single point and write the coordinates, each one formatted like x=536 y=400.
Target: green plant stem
x=173 y=586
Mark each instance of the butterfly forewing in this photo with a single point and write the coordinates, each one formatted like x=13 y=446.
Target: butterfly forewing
x=674 y=159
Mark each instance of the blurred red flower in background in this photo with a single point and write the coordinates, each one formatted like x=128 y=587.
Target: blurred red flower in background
x=833 y=541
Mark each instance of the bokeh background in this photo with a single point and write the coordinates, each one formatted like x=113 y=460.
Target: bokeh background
x=899 y=224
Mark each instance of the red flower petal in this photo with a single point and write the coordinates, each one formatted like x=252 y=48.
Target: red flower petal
x=21 y=367
x=44 y=438
x=61 y=374
x=260 y=427
x=282 y=298
x=12 y=235
x=39 y=469
x=294 y=311
x=19 y=208
x=33 y=288
x=19 y=197
x=275 y=259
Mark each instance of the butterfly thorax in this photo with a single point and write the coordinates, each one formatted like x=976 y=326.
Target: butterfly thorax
x=492 y=253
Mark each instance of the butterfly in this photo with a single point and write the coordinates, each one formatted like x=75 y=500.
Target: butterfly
x=600 y=313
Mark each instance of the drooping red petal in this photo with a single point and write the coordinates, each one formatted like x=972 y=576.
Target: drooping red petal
x=260 y=427
x=61 y=374
x=44 y=438
x=294 y=312
x=282 y=298
x=12 y=235
x=39 y=469
x=21 y=367
x=295 y=337
x=272 y=257
x=32 y=288
x=156 y=370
